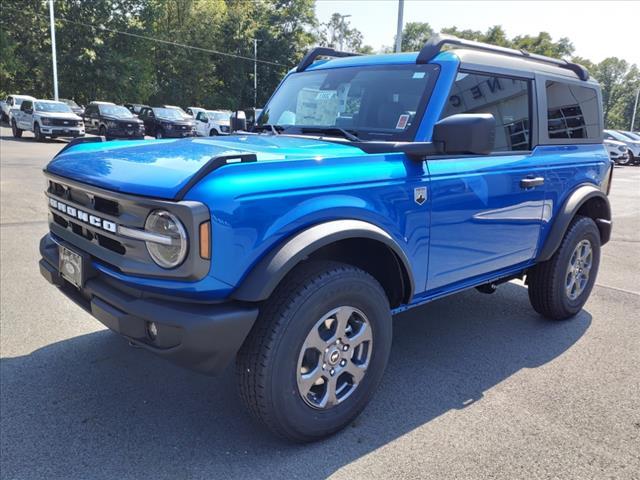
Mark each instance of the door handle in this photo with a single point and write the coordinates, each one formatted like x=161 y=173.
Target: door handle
x=531 y=182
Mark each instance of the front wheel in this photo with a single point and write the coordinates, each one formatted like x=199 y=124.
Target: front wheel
x=16 y=132
x=37 y=133
x=559 y=287
x=317 y=352
x=213 y=132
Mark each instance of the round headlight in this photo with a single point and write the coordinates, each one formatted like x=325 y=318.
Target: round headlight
x=170 y=248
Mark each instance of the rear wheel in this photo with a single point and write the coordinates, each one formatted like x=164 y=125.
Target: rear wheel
x=159 y=133
x=17 y=132
x=317 y=352
x=559 y=287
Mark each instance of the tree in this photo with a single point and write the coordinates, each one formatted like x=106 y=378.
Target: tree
x=415 y=35
x=337 y=33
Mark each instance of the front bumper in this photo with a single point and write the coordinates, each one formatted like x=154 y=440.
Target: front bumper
x=198 y=336
x=62 y=131
x=125 y=133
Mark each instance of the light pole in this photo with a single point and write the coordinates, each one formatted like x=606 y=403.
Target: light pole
x=53 y=51
x=399 y=28
x=255 y=73
x=635 y=107
x=342 y=17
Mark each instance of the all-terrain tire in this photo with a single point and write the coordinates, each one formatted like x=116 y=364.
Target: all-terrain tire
x=550 y=290
x=267 y=364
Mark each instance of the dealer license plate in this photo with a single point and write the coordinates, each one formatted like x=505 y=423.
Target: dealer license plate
x=71 y=266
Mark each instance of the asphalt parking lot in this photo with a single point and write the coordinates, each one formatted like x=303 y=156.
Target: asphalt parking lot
x=478 y=386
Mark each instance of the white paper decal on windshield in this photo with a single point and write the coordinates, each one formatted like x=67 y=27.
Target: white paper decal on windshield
x=402 y=122
x=317 y=107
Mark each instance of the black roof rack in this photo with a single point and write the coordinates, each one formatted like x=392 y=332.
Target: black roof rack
x=311 y=56
x=434 y=46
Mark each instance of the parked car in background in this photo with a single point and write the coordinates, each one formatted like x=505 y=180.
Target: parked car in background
x=179 y=109
x=194 y=111
x=46 y=118
x=212 y=122
x=632 y=145
x=618 y=151
x=166 y=122
x=112 y=121
x=12 y=103
x=135 y=107
x=75 y=108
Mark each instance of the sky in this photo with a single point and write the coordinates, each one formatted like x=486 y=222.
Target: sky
x=598 y=29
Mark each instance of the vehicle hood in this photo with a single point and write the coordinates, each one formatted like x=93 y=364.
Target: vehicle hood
x=122 y=119
x=161 y=168
x=614 y=143
x=63 y=115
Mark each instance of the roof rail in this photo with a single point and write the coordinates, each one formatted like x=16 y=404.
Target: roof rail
x=434 y=46
x=311 y=56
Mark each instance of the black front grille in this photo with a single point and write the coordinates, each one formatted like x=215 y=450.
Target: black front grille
x=94 y=202
x=61 y=122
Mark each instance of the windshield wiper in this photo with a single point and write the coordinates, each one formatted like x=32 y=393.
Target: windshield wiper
x=274 y=129
x=331 y=130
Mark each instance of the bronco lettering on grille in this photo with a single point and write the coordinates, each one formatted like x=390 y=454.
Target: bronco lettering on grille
x=83 y=216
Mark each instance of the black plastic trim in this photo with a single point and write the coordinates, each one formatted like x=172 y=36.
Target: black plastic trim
x=201 y=337
x=78 y=141
x=214 y=164
x=435 y=44
x=568 y=211
x=312 y=55
x=269 y=272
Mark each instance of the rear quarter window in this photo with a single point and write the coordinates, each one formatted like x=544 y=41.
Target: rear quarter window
x=573 y=113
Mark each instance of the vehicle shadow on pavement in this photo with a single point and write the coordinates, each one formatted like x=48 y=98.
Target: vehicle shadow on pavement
x=92 y=407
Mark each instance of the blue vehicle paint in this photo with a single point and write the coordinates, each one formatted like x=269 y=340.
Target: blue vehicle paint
x=476 y=226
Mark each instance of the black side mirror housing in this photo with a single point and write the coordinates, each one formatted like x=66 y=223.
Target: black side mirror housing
x=238 y=121
x=466 y=133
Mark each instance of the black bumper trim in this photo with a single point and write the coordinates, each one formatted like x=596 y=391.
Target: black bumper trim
x=201 y=337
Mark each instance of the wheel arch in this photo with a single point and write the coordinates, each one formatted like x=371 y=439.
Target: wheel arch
x=350 y=241
x=586 y=200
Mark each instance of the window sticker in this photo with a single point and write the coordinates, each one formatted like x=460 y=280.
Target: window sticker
x=418 y=74
x=317 y=107
x=402 y=122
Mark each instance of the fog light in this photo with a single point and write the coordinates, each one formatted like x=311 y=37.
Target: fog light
x=152 y=330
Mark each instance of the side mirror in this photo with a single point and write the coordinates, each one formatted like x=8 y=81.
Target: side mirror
x=238 y=121
x=473 y=133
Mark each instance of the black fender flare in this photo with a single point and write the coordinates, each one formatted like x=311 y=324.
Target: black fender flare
x=569 y=209
x=268 y=272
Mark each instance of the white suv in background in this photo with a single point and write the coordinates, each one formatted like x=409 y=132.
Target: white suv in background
x=212 y=122
x=632 y=145
x=11 y=104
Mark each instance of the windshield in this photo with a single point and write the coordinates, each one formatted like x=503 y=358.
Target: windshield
x=168 y=113
x=631 y=135
x=115 y=111
x=178 y=109
x=71 y=103
x=375 y=102
x=58 y=107
x=218 y=116
x=617 y=136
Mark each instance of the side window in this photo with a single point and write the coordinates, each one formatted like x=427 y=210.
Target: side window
x=508 y=99
x=572 y=111
x=26 y=105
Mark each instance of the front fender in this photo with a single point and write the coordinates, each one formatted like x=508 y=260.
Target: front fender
x=269 y=272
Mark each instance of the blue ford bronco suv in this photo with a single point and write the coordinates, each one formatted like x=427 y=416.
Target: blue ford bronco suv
x=369 y=185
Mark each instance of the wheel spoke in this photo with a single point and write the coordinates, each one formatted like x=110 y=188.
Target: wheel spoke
x=342 y=317
x=308 y=380
x=363 y=335
x=356 y=371
x=314 y=340
x=330 y=397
